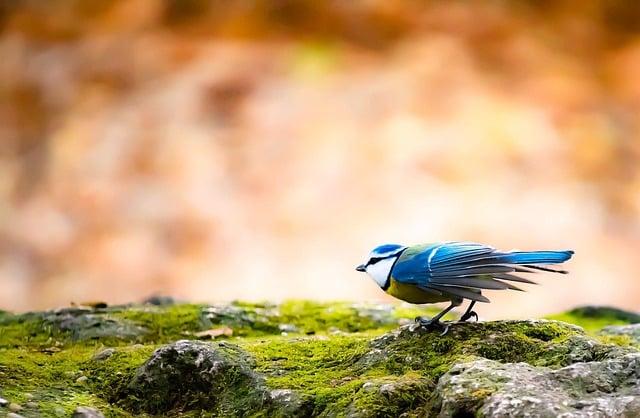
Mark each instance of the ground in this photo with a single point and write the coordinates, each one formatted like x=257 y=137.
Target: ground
x=302 y=358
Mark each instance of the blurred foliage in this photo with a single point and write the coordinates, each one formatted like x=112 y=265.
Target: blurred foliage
x=151 y=145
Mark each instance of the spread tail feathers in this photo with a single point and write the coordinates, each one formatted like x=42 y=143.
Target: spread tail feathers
x=537 y=257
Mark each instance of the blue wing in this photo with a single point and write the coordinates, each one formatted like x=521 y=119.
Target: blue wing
x=461 y=269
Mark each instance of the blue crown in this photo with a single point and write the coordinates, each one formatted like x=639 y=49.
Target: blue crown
x=387 y=249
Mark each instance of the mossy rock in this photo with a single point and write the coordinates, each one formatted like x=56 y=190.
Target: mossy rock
x=593 y=318
x=166 y=322
x=305 y=359
x=194 y=375
x=487 y=388
x=622 y=334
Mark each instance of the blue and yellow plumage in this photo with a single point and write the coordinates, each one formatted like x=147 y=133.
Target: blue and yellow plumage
x=453 y=271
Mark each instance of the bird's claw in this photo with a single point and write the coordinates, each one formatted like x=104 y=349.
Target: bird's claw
x=431 y=325
x=468 y=315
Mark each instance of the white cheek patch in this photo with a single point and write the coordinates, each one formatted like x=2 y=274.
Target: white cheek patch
x=380 y=270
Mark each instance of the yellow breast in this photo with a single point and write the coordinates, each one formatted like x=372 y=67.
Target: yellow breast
x=412 y=294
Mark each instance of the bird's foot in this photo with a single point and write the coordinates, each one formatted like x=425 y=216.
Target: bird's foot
x=431 y=325
x=468 y=316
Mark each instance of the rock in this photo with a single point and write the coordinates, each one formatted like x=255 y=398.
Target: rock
x=82 y=379
x=159 y=300
x=335 y=331
x=86 y=412
x=3 y=402
x=198 y=375
x=263 y=318
x=104 y=354
x=83 y=324
x=14 y=407
x=289 y=403
x=538 y=342
x=578 y=348
x=632 y=331
x=14 y=415
x=610 y=388
x=369 y=387
x=31 y=404
x=287 y=328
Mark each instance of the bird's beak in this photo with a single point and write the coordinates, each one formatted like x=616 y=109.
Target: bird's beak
x=361 y=267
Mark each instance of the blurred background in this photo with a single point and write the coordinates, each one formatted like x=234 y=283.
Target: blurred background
x=220 y=150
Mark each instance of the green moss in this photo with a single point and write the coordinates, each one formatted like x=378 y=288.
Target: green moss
x=534 y=342
x=51 y=381
x=620 y=340
x=165 y=323
x=303 y=317
x=389 y=396
x=336 y=357
x=25 y=330
x=311 y=317
x=333 y=371
x=328 y=371
x=315 y=366
x=110 y=377
x=150 y=324
x=69 y=326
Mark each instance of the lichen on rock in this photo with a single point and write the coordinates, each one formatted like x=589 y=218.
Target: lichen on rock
x=609 y=388
x=630 y=332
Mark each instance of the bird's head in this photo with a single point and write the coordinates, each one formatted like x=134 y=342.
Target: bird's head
x=380 y=262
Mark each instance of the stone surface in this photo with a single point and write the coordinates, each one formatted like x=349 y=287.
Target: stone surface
x=289 y=403
x=104 y=354
x=609 y=388
x=632 y=331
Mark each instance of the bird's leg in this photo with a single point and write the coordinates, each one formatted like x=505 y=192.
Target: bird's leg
x=434 y=323
x=469 y=313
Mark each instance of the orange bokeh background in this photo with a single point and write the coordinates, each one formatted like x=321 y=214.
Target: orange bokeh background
x=258 y=150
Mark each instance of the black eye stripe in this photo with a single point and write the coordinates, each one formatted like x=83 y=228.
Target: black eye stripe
x=375 y=260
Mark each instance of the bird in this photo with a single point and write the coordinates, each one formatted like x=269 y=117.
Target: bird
x=453 y=272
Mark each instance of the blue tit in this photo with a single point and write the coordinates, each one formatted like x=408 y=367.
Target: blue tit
x=453 y=271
